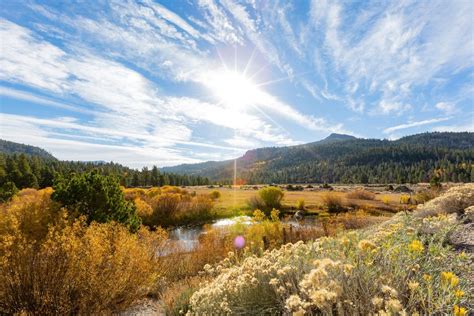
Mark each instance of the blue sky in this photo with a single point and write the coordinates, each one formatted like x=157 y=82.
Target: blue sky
x=171 y=82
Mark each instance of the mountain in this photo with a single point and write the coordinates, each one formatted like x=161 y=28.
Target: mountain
x=347 y=159
x=335 y=138
x=8 y=147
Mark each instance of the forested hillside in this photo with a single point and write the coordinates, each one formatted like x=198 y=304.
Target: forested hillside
x=416 y=158
x=7 y=147
x=32 y=167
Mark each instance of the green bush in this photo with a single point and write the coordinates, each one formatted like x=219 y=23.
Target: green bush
x=271 y=197
x=97 y=197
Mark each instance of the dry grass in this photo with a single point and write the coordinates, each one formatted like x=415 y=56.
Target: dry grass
x=234 y=200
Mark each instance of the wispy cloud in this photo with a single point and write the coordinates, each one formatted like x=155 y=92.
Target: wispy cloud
x=415 y=124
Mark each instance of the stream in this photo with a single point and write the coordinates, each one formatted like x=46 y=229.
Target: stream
x=186 y=238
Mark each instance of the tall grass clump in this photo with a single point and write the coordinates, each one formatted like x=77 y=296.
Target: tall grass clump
x=397 y=267
x=54 y=264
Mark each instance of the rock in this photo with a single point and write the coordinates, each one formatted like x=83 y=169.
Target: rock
x=299 y=215
x=462 y=238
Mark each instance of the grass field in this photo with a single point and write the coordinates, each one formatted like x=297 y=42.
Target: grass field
x=234 y=200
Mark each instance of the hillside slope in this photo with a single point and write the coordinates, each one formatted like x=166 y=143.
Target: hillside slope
x=8 y=147
x=346 y=159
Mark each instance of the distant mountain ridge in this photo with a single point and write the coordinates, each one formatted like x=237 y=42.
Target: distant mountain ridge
x=345 y=158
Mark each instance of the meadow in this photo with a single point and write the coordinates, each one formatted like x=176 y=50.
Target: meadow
x=73 y=250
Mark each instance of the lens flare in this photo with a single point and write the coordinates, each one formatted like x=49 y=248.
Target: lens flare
x=239 y=242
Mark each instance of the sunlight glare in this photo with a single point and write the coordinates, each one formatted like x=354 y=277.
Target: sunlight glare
x=233 y=89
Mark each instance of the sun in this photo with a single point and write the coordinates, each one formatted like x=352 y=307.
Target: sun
x=232 y=89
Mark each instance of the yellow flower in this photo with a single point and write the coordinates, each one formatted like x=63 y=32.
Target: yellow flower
x=388 y=290
x=377 y=301
x=459 y=311
x=462 y=255
x=449 y=278
x=394 y=305
x=427 y=277
x=366 y=245
x=413 y=285
x=459 y=293
x=415 y=246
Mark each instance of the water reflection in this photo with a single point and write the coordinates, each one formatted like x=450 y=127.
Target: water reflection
x=186 y=238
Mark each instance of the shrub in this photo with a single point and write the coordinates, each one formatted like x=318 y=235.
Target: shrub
x=144 y=211
x=133 y=193
x=271 y=197
x=424 y=196
x=215 y=195
x=99 y=198
x=176 y=208
x=255 y=202
x=300 y=204
x=290 y=187
x=7 y=191
x=385 y=199
x=165 y=207
x=50 y=265
x=258 y=215
x=455 y=200
x=326 y=186
x=405 y=199
x=361 y=195
x=333 y=202
x=173 y=189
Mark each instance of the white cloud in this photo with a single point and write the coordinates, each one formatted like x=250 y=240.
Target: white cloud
x=414 y=124
x=388 y=106
x=446 y=107
x=25 y=58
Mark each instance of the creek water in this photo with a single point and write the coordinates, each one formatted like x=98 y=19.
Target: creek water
x=186 y=238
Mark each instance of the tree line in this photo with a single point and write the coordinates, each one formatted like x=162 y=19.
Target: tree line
x=26 y=171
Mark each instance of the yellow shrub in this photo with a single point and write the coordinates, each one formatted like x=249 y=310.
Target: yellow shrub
x=405 y=199
x=52 y=265
x=31 y=212
x=144 y=211
x=133 y=193
x=165 y=206
x=385 y=199
x=300 y=204
x=172 y=189
x=78 y=269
